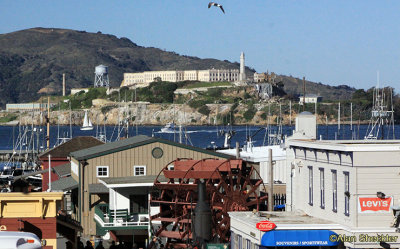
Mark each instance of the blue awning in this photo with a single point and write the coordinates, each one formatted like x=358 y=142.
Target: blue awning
x=299 y=238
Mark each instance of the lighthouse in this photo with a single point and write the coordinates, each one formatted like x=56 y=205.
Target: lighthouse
x=242 y=73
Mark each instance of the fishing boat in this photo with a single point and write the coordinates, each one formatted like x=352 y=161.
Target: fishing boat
x=87 y=124
x=168 y=128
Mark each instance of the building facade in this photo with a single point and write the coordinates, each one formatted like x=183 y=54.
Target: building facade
x=143 y=79
x=27 y=107
x=36 y=213
x=60 y=156
x=114 y=182
x=310 y=98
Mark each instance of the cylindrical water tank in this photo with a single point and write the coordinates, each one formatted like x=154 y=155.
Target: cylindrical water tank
x=101 y=70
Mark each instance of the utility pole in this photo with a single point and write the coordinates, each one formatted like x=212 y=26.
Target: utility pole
x=49 y=189
x=304 y=93
x=290 y=112
x=339 y=120
x=270 y=182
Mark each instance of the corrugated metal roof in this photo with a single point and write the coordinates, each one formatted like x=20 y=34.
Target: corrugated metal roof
x=132 y=142
x=64 y=184
x=133 y=179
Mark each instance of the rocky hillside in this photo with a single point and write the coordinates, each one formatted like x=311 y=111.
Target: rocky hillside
x=32 y=62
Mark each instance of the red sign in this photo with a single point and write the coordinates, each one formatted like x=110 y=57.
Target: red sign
x=265 y=225
x=374 y=204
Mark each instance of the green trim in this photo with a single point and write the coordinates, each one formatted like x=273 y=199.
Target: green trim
x=154 y=140
x=100 y=231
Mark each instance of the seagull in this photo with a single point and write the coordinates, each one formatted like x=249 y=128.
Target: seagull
x=217 y=5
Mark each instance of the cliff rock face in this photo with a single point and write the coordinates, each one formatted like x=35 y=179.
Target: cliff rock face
x=160 y=114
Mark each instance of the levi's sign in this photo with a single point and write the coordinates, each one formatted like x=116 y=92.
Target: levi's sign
x=374 y=204
x=265 y=225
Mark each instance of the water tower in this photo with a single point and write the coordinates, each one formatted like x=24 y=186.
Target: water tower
x=101 y=76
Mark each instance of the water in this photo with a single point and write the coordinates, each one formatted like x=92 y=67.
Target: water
x=200 y=136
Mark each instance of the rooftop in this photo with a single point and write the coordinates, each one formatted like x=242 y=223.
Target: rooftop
x=346 y=145
x=76 y=143
x=132 y=142
x=283 y=220
x=259 y=153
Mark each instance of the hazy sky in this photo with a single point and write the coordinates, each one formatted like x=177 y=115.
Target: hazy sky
x=333 y=42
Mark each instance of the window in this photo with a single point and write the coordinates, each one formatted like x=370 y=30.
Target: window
x=170 y=167
x=236 y=241
x=248 y=244
x=346 y=193
x=322 y=187
x=239 y=242
x=102 y=171
x=139 y=170
x=310 y=185
x=334 y=191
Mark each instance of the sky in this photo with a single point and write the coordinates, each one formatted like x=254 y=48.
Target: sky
x=334 y=42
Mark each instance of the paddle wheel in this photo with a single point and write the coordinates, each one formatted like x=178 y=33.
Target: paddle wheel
x=231 y=185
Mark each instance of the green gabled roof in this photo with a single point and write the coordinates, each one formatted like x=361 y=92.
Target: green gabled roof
x=133 y=142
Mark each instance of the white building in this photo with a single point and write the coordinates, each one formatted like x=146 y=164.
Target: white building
x=20 y=107
x=143 y=79
x=259 y=156
x=340 y=193
x=310 y=98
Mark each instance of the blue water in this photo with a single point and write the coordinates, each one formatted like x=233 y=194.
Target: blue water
x=200 y=136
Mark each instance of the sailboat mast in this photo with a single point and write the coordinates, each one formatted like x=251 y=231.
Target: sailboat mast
x=48 y=122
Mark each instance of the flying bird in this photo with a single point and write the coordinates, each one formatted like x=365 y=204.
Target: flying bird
x=217 y=5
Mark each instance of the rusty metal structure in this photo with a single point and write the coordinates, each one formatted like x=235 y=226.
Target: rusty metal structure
x=231 y=185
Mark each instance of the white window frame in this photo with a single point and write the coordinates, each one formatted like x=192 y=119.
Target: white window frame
x=170 y=167
x=334 y=191
x=322 y=187
x=346 y=189
x=310 y=186
x=97 y=171
x=139 y=166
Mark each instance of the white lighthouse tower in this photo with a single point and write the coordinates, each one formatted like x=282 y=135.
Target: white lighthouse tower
x=242 y=73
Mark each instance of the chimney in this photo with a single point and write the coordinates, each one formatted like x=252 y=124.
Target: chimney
x=63 y=86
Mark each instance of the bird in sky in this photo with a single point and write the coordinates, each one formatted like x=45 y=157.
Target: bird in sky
x=217 y=5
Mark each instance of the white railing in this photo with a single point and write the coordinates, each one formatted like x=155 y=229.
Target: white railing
x=143 y=220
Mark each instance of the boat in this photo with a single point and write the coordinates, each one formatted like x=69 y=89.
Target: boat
x=168 y=128
x=87 y=124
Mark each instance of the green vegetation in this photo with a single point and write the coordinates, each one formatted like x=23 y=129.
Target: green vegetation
x=81 y=99
x=156 y=92
x=204 y=110
x=8 y=118
x=251 y=111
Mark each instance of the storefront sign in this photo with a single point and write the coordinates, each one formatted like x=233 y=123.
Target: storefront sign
x=289 y=238
x=265 y=225
x=374 y=204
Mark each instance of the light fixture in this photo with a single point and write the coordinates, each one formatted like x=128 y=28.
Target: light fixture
x=380 y=195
